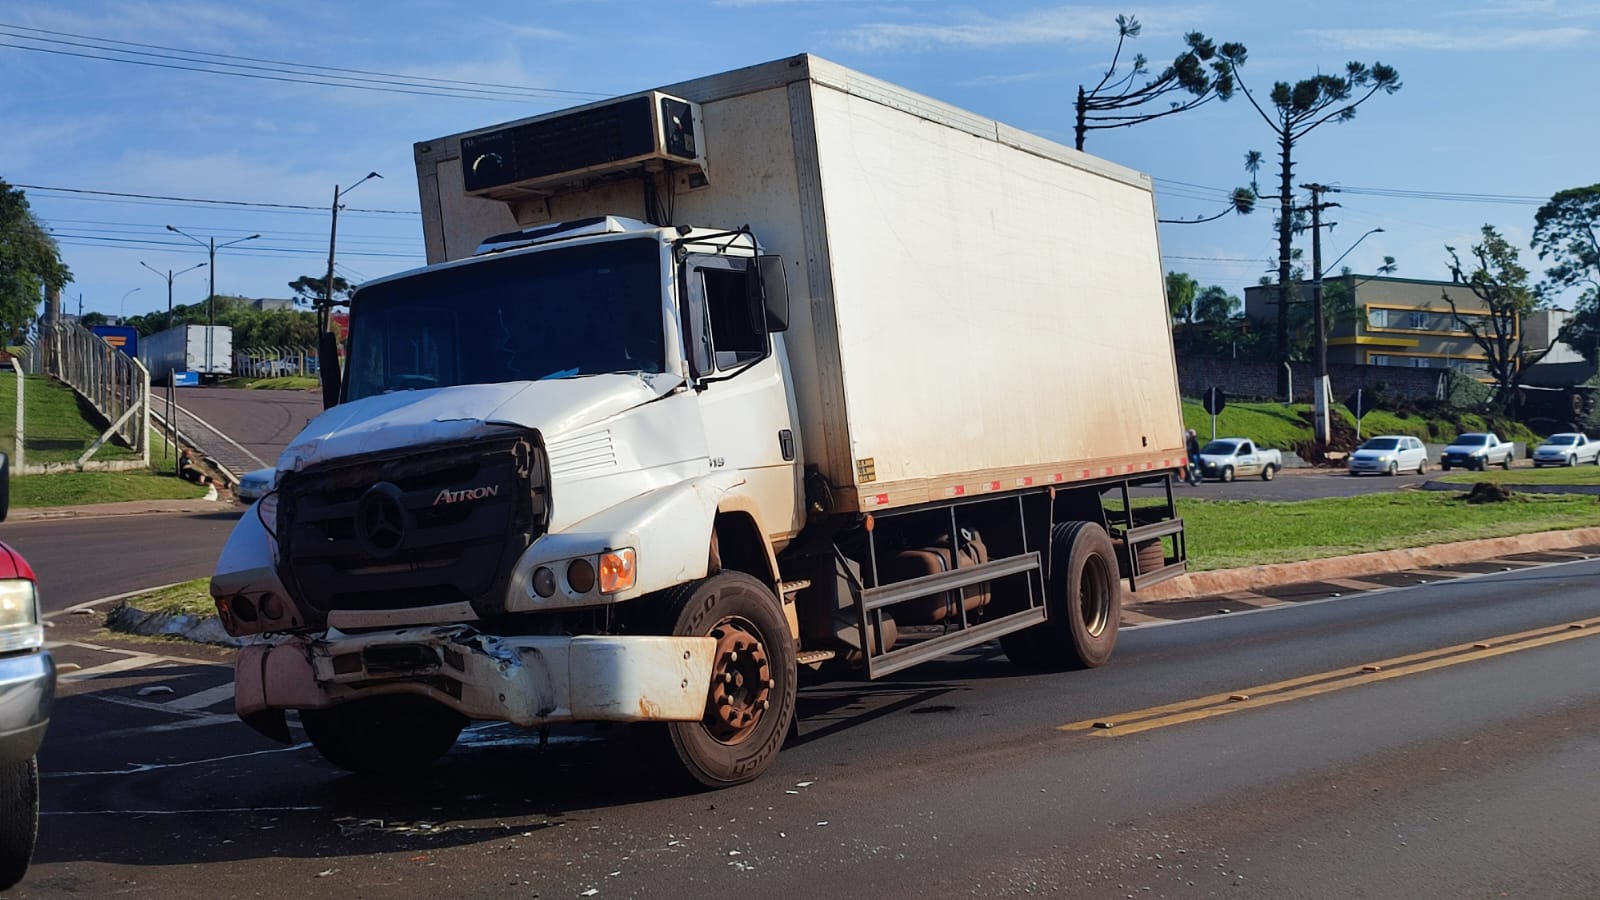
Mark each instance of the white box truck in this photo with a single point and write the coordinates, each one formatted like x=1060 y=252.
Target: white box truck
x=780 y=368
x=205 y=350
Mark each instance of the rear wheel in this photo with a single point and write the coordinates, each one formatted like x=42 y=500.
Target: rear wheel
x=1268 y=472
x=751 y=700
x=1422 y=466
x=1506 y=463
x=383 y=735
x=19 y=818
x=1084 y=600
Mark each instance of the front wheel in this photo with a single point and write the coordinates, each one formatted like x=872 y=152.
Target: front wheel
x=1444 y=465
x=1084 y=602
x=1394 y=469
x=383 y=735
x=1227 y=473
x=1572 y=461
x=752 y=692
x=1268 y=472
x=19 y=818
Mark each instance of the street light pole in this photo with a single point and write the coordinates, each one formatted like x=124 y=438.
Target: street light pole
x=123 y=304
x=169 y=275
x=212 y=247
x=324 y=314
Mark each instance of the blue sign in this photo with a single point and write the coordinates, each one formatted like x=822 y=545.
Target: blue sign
x=122 y=337
x=185 y=379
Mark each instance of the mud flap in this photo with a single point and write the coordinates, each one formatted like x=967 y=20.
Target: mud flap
x=270 y=722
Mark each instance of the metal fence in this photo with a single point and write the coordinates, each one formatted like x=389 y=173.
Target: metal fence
x=275 y=362
x=115 y=384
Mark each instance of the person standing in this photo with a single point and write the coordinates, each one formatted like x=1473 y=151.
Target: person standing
x=1191 y=472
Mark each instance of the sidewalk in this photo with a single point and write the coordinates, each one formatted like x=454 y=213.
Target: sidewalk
x=125 y=508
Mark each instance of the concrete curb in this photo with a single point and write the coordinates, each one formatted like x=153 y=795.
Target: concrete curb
x=124 y=508
x=1224 y=581
x=1591 y=490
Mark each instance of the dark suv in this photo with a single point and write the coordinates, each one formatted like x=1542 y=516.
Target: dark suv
x=27 y=687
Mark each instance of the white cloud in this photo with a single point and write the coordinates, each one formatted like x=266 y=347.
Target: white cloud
x=1379 y=39
x=1036 y=27
x=1000 y=80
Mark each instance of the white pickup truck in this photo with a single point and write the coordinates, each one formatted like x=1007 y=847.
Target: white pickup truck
x=1477 y=450
x=1228 y=458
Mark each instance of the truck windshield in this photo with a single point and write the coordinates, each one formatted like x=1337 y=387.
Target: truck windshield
x=563 y=313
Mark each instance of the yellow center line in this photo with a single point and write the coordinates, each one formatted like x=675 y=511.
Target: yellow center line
x=1214 y=705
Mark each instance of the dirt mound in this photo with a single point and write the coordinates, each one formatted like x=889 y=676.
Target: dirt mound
x=1488 y=492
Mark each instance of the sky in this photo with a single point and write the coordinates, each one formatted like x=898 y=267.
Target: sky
x=297 y=97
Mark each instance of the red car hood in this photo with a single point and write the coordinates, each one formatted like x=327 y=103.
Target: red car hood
x=12 y=565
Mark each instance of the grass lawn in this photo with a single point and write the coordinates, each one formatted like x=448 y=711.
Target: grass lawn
x=188 y=598
x=1225 y=534
x=57 y=426
x=1276 y=425
x=1552 y=475
x=73 y=488
x=284 y=383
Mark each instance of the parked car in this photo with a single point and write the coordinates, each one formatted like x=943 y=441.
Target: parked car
x=255 y=484
x=1390 y=454
x=1568 y=448
x=27 y=689
x=1477 y=450
x=1228 y=458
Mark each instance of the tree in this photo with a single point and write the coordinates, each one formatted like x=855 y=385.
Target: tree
x=1297 y=110
x=1564 y=233
x=1181 y=291
x=30 y=262
x=1501 y=284
x=310 y=289
x=1215 y=306
x=1201 y=71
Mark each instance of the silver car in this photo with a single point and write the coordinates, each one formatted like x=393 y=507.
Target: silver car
x=1568 y=448
x=254 y=485
x=1390 y=454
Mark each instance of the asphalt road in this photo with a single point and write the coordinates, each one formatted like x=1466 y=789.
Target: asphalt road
x=1440 y=770
x=82 y=559
x=261 y=422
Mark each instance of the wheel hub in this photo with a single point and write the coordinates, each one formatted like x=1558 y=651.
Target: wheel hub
x=741 y=682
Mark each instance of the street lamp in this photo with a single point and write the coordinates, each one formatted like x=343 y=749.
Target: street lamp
x=333 y=234
x=169 y=275
x=122 y=304
x=212 y=247
x=1335 y=263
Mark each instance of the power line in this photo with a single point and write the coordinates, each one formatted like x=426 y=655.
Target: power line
x=284 y=74
x=254 y=59
x=245 y=203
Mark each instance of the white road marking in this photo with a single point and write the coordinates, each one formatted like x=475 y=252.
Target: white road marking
x=141 y=768
x=202 y=699
x=90 y=604
x=114 y=667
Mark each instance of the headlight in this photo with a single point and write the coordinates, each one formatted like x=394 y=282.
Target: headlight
x=19 y=616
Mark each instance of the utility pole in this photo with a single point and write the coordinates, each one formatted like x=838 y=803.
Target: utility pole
x=1320 y=393
x=326 y=312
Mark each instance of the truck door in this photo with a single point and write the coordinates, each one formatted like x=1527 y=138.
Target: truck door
x=742 y=376
x=1248 y=462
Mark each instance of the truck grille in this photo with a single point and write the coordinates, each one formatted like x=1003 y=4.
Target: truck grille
x=393 y=531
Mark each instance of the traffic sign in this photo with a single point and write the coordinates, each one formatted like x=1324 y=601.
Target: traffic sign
x=1214 y=400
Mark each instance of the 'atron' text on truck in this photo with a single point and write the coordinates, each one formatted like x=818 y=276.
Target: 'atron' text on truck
x=785 y=367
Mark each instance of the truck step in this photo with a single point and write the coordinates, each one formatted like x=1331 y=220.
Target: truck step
x=790 y=587
x=813 y=657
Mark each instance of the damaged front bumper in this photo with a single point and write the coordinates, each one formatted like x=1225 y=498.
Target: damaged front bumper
x=524 y=680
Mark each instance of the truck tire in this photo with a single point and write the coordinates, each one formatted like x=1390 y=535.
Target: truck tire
x=752 y=692
x=383 y=735
x=1227 y=474
x=19 y=818
x=1268 y=471
x=1084 y=599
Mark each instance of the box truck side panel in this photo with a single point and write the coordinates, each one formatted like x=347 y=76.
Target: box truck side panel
x=1017 y=297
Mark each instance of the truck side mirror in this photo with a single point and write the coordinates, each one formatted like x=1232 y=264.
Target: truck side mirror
x=328 y=368
x=5 y=485
x=769 y=293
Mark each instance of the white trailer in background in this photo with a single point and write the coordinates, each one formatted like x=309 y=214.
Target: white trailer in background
x=205 y=350
x=768 y=369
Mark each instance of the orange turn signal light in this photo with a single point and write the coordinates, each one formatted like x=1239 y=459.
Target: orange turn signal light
x=618 y=570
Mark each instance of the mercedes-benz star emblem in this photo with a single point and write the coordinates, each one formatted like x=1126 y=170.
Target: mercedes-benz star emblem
x=381 y=520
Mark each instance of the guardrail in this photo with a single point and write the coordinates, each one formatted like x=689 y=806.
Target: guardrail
x=115 y=384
